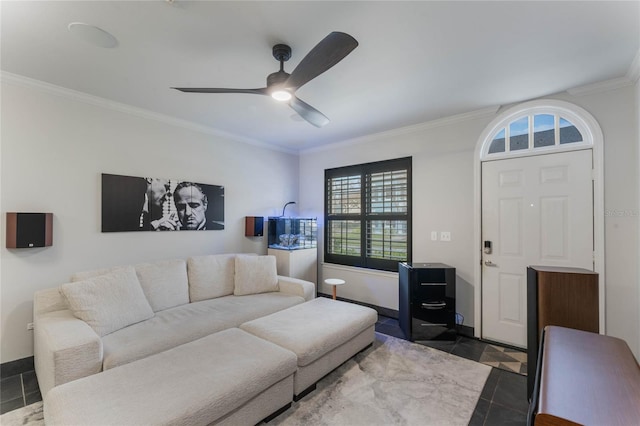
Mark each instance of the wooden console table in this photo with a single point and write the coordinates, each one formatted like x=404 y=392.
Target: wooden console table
x=584 y=378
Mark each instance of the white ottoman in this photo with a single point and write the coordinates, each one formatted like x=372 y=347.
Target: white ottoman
x=323 y=333
x=230 y=377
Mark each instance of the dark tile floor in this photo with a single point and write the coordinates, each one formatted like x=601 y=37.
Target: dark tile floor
x=503 y=400
x=19 y=391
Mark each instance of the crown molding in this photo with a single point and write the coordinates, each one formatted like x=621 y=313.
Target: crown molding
x=630 y=78
x=634 y=70
x=19 y=80
x=415 y=128
x=601 y=86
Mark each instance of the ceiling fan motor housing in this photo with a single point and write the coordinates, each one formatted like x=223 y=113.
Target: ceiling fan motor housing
x=277 y=78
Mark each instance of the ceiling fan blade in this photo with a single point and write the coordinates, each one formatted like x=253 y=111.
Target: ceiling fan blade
x=308 y=112
x=331 y=50
x=262 y=91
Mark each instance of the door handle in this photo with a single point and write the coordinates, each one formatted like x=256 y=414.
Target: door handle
x=489 y=263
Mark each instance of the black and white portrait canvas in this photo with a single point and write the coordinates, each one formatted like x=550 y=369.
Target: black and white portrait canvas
x=159 y=204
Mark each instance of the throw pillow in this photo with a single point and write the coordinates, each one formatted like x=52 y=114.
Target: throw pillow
x=211 y=276
x=164 y=283
x=108 y=302
x=255 y=274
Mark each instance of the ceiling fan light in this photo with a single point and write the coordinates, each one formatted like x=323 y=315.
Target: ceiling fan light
x=281 y=95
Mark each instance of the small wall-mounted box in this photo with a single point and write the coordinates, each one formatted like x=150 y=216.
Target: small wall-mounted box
x=27 y=230
x=254 y=226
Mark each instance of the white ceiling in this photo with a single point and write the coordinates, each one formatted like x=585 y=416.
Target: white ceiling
x=416 y=62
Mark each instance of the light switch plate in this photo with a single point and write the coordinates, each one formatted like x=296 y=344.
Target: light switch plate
x=434 y=235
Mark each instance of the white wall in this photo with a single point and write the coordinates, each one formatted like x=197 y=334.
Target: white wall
x=616 y=113
x=54 y=149
x=442 y=201
x=443 y=156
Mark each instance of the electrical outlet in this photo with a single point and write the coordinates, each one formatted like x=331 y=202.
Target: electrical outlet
x=30 y=326
x=445 y=236
x=434 y=235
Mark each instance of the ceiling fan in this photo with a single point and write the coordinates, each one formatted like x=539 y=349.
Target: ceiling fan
x=282 y=85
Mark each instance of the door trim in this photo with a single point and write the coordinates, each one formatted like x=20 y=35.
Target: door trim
x=593 y=135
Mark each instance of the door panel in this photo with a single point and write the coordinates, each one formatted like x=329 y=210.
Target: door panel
x=536 y=211
x=511 y=227
x=510 y=287
x=553 y=228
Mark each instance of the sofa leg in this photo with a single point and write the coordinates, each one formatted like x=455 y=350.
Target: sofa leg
x=304 y=392
x=276 y=414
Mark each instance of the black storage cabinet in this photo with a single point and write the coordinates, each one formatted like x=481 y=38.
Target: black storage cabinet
x=427 y=301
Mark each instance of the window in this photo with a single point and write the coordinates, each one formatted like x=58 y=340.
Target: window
x=368 y=214
x=534 y=131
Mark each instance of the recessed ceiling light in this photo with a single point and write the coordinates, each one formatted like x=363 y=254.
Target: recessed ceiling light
x=93 y=35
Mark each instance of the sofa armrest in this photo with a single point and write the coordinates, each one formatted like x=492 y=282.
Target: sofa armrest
x=298 y=287
x=65 y=349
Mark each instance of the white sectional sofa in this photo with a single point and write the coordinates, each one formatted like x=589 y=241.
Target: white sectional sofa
x=217 y=339
x=111 y=317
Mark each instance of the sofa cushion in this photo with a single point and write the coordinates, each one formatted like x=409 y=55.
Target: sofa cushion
x=211 y=276
x=182 y=324
x=165 y=283
x=255 y=274
x=108 y=302
x=48 y=300
x=85 y=275
x=312 y=329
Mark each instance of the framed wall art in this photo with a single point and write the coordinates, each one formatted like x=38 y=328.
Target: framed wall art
x=157 y=204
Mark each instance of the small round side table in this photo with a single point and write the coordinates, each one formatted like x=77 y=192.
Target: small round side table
x=335 y=282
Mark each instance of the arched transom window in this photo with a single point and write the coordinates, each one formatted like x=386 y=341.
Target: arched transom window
x=536 y=131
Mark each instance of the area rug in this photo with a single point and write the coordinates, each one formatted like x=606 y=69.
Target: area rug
x=30 y=415
x=394 y=382
x=512 y=360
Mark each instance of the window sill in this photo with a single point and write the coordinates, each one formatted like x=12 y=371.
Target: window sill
x=355 y=269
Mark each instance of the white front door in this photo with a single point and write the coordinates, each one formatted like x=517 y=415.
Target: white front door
x=536 y=210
